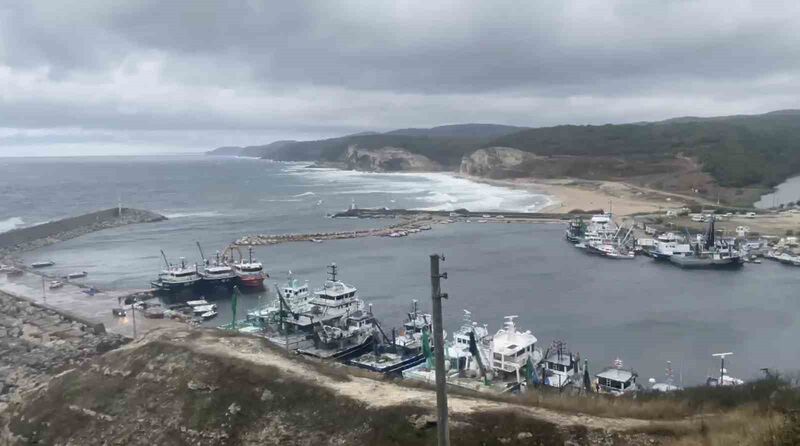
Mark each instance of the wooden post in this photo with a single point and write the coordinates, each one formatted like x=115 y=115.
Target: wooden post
x=438 y=351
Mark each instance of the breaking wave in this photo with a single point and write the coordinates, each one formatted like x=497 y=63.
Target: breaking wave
x=11 y=223
x=432 y=191
x=192 y=214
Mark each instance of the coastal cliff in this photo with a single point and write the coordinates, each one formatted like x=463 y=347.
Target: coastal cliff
x=387 y=159
x=498 y=162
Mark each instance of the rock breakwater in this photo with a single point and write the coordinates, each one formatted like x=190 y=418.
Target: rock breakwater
x=57 y=231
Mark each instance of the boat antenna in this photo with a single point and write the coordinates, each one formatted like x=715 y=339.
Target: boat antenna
x=722 y=356
x=332 y=271
x=164 y=256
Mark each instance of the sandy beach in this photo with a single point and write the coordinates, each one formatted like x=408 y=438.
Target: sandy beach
x=572 y=194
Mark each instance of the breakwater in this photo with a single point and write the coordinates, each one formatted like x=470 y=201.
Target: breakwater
x=458 y=213
x=57 y=231
x=404 y=227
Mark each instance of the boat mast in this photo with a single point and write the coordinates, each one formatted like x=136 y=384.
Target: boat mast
x=202 y=256
x=164 y=256
x=332 y=267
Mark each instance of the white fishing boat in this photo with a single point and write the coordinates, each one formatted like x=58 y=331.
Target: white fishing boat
x=616 y=380
x=614 y=247
x=76 y=275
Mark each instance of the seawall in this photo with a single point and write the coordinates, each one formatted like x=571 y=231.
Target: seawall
x=56 y=231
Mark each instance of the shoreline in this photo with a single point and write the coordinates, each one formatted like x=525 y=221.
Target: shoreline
x=566 y=195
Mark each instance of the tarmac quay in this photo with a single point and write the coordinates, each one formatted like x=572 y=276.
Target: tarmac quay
x=72 y=301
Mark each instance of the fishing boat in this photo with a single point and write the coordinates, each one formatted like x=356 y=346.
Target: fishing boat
x=251 y=272
x=663 y=250
x=576 y=230
x=616 y=380
x=293 y=296
x=708 y=252
x=499 y=363
x=76 y=275
x=400 y=352
x=42 y=264
x=614 y=247
x=332 y=324
x=343 y=327
x=176 y=278
x=602 y=226
x=216 y=274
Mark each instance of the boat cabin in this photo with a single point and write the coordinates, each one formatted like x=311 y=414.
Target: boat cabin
x=512 y=349
x=616 y=380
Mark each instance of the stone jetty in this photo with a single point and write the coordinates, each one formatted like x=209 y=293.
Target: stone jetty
x=408 y=225
x=25 y=239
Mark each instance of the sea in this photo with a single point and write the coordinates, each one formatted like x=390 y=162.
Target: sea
x=641 y=311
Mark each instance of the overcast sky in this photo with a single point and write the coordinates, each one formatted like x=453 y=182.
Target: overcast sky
x=99 y=76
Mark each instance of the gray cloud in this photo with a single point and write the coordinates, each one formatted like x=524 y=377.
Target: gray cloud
x=231 y=69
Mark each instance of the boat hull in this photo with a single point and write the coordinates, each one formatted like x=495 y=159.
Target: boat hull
x=252 y=281
x=392 y=368
x=707 y=263
x=173 y=287
x=343 y=354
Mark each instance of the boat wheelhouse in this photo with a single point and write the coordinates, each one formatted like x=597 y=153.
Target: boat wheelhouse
x=511 y=350
x=560 y=367
x=616 y=380
x=576 y=229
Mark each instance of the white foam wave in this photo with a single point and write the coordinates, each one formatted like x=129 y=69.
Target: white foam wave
x=192 y=214
x=438 y=191
x=11 y=223
x=304 y=194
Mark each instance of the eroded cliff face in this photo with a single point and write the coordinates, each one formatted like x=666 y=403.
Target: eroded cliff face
x=498 y=162
x=388 y=159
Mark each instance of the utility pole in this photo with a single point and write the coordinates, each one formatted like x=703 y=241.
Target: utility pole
x=133 y=314
x=438 y=349
x=44 y=291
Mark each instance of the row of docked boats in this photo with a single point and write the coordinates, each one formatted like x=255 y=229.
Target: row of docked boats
x=334 y=323
x=222 y=271
x=603 y=237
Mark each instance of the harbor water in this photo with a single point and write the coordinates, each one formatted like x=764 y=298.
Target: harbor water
x=641 y=311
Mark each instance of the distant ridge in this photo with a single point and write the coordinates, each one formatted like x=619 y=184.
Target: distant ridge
x=736 y=151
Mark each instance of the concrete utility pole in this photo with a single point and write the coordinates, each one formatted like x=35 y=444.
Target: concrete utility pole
x=438 y=351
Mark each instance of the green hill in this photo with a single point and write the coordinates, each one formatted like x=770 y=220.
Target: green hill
x=737 y=151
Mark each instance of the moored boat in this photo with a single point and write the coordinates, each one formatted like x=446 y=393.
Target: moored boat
x=42 y=264
x=216 y=274
x=250 y=272
x=400 y=352
x=176 y=278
